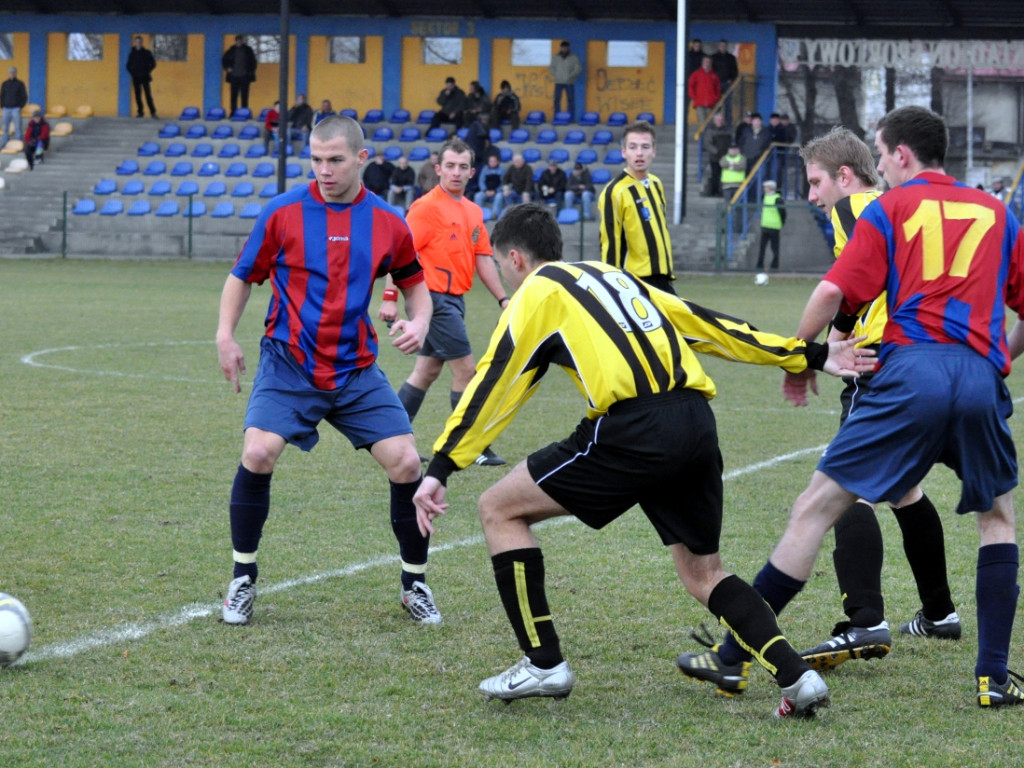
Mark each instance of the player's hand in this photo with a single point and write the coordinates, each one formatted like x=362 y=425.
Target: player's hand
x=430 y=503
x=388 y=311
x=794 y=386
x=846 y=359
x=408 y=336
x=232 y=361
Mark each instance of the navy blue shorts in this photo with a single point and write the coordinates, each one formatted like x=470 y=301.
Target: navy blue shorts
x=929 y=403
x=283 y=401
x=658 y=451
x=447 y=338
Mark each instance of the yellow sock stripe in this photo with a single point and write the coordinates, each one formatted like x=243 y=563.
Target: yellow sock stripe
x=529 y=622
x=410 y=568
x=243 y=557
x=759 y=655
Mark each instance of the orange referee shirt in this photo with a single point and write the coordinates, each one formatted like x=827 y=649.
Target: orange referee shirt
x=448 y=235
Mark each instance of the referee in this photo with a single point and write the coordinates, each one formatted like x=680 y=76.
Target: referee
x=628 y=348
x=634 y=232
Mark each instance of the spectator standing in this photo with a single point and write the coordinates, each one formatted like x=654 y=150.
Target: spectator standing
x=326 y=110
x=300 y=120
x=478 y=137
x=140 y=66
x=717 y=138
x=580 y=186
x=704 y=90
x=565 y=69
x=773 y=217
x=239 y=64
x=377 y=175
x=998 y=190
x=734 y=171
x=452 y=103
x=776 y=129
x=694 y=56
x=401 y=191
x=517 y=183
x=724 y=64
x=755 y=141
x=477 y=103
x=743 y=127
x=270 y=125
x=506 y=107
x=427 y=178
x=37 y=138
x=552 y=184
x=790 y=131
x=13 y=98
x=489 y=186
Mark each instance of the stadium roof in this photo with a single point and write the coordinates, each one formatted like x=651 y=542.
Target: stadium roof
x=884 y=19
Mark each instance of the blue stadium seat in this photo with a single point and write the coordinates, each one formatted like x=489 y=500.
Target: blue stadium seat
x=506 y=154
x=263 y=170
x=600 y=176
x=617 y=119
x=292 y=171
x=167 y=208
x=373 y=116
x=183 y=168
x=195 y=131
x=288 y=151
x=519 y=136
x=437 y=134
x=249 y=132
x=175 y=149
x=383 y=133
x=569 y=216
x=410 y=134
x=243 y=189
x=399 y=116
x=229 y=149
x=155 y=168
x=370 y=151
x=223 y=210
x=531 y=155
x=495 y=135
x=215 y=113
x=189 y=113
x=139 y=208
x=127 y=168
x=586 y=156
x=575 y=136
x=547 y=136
x=202 y=149
x=187 y=188
x=425 y=117
x=162 y=187
x=250 y=211
x=215 y=189
x=269 y=189
x=601 y=138
x=462 y=133
x=195 y=210
x=133 y=187
x=392 y=153
x=349 y=112
x=590 y=118
x=558 y=155
x=241 y=114
x=263 y=115
x=222 y=132
x=169 y=131
x=149 y=148
x=536 y=174
x=105 y=187
x=84 y=208
x=419 y=153
x=613 y=157
x=561 y=118
x=535 y=117
x=112 y=208
x=304 y=154
x=209 y=169
x=648 y=116
x=256 y=150
x=236 y=169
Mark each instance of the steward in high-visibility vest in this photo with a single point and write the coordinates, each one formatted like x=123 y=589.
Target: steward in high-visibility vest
x=734 y=171
x=773 y=216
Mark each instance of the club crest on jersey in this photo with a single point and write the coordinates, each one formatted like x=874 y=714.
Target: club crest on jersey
x=476 y=234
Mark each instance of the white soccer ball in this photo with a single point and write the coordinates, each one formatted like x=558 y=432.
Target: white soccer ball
x=761 y=279
x=15 y=629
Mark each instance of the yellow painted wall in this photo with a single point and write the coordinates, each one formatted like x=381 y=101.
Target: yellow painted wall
x=626 y=89
x=73 y=83
x=176 y=84
x=20 y=60
x=422 y=82
x=264 y=92
x=348 y=86
x=533 y=85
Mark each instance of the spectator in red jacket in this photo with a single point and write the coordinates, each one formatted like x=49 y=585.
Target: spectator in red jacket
x=704 y=89
x=37 y=138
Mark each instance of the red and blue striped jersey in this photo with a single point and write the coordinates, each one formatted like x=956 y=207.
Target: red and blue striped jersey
x=322 y=260
x=950 y=258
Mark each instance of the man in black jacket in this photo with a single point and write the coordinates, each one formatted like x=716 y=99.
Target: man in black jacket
x=13 y=98
x=239 y=64
x=452 y=102
x=140 y=66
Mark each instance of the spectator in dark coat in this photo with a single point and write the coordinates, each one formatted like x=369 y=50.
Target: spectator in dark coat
x=377 y=175
x=140 y=66
x=452 y=103
x=506 y=107
x=717 y=138
x=725 y=66
x=13 y=98
x=239 y=65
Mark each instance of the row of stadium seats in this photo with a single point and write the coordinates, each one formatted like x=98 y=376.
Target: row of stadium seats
x=162 y=187
x=114 y=207
x=212 y=168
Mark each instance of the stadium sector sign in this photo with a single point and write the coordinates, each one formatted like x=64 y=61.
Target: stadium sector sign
x=945 y=54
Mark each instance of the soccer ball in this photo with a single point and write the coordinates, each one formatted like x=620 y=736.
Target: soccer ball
x=15 y=629
x=761 y=279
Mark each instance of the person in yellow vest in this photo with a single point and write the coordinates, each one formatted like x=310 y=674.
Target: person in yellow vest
x=773 y=216
x=734 y=170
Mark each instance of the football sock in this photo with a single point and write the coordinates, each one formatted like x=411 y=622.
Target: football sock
x=412 y=545
x=412 y=399
x=858 y=561
x=454 y=397
x=925 y=547
x=519 y=574
x=996 y=592
x=249 y=508
x=777 y=589
x=750 y=621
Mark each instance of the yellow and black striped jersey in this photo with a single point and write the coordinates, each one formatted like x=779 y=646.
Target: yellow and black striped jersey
x=872 y=319
x=614 y=335
x=634 y=231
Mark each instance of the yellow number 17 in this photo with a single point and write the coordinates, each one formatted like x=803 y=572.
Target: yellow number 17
x=928 y=220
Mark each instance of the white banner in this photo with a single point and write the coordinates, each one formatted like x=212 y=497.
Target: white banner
x=945 y=54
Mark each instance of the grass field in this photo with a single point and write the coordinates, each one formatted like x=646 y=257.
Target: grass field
x=118 y=443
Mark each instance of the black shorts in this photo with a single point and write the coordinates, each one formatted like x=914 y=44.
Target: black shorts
x=661 y=282
x=658 y=451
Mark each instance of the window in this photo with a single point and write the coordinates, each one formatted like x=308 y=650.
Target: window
x=85 y=47
x=627 y=53
x=170 y=47
x=266 y=47
x=6 y=45
x=347 y=50
x=531 y=53
x=442 y=50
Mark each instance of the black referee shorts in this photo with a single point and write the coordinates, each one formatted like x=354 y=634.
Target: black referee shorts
x=658 y=451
